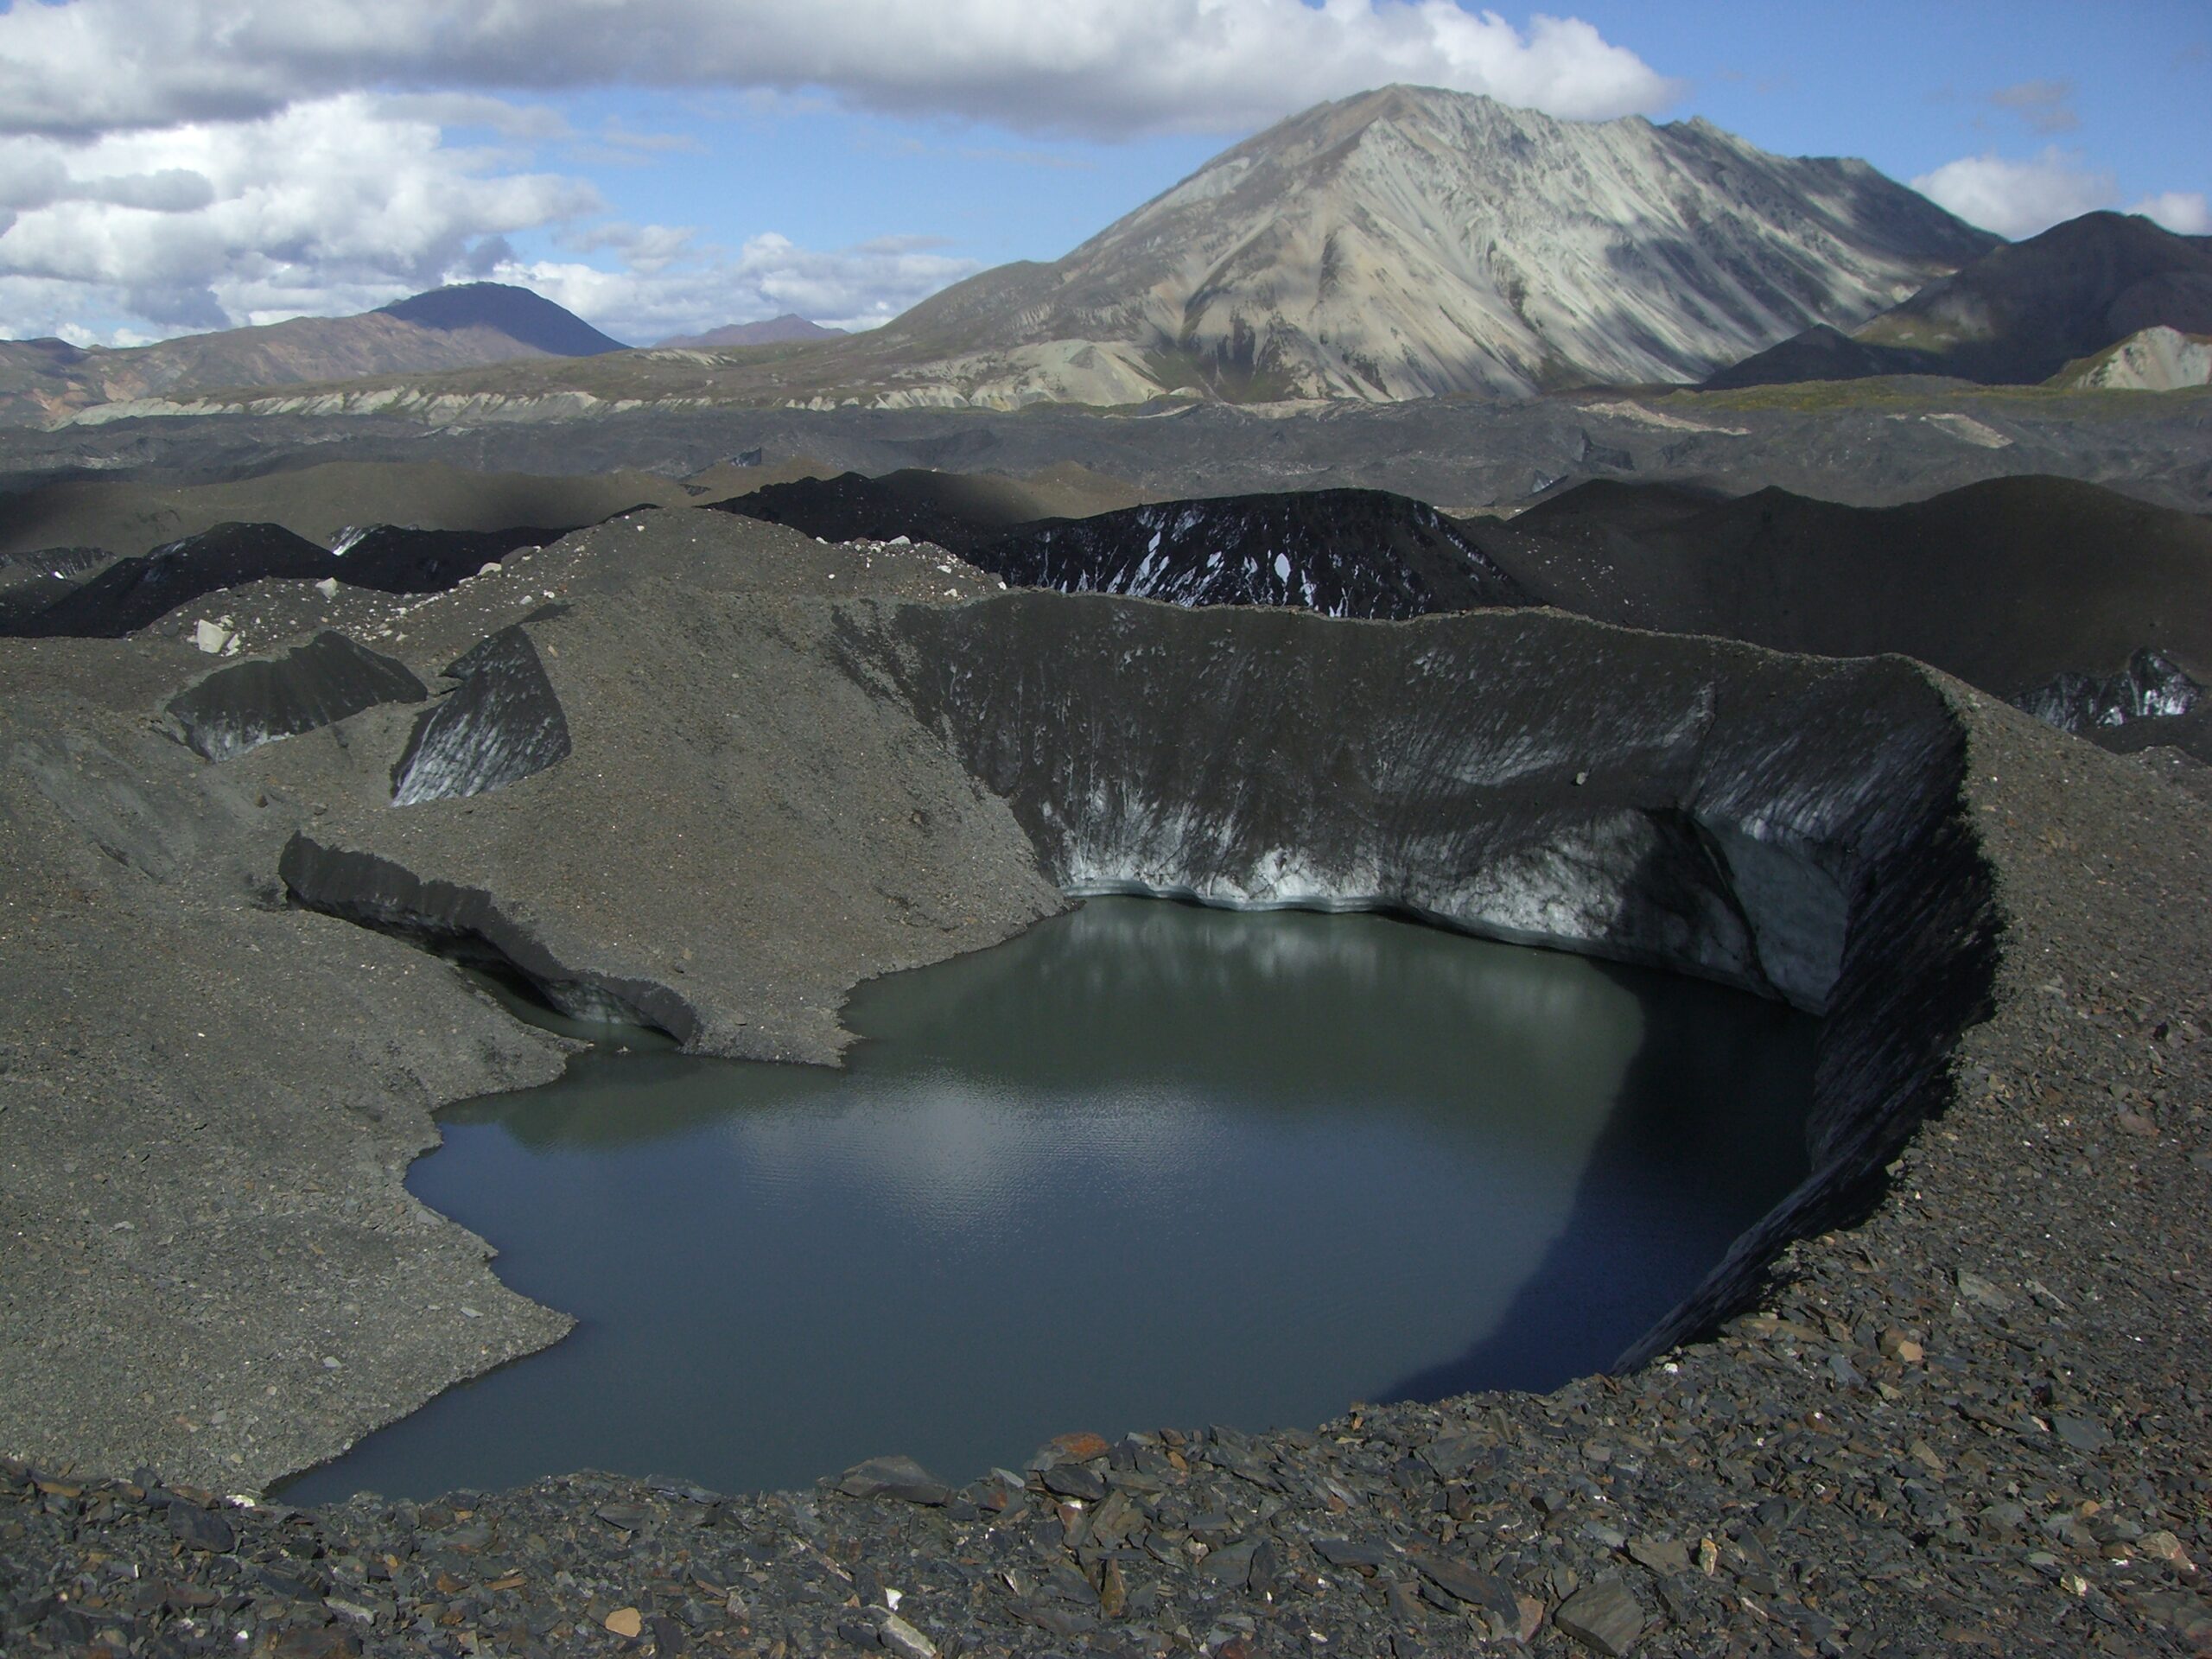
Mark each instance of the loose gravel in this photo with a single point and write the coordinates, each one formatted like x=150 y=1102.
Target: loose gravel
x=1975 y=1423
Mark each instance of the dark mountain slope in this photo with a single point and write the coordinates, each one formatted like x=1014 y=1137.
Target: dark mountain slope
x=2006 y=584
x=2017 y=315
x=530 y=319
x=954 y=510
x=131 y=593
x=465 y=326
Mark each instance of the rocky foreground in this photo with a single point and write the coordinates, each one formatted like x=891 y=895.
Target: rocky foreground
x=1973 y=1421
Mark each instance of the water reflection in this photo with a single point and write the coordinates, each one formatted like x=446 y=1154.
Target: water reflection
x=1147 y=1165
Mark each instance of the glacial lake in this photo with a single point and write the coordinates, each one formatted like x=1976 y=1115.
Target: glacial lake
x=1147 y=1166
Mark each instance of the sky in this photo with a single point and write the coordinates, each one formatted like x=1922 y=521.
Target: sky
x=663 y=167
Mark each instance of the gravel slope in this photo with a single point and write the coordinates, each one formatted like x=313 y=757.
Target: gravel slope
x=1976 y=1423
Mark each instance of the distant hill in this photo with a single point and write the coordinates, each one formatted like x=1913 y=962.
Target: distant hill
x=2018 y=316
x=1403 y=244
x=788 y=329
x=1410 y=242
x=528 y=319
x=458 y=327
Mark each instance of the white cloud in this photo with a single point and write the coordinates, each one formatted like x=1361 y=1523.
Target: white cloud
x=1096 y=66
x=649 y=249
x=185 y=163
x=2017 y=199
x=855 y=288
x=2185 y=213
x=335 y=204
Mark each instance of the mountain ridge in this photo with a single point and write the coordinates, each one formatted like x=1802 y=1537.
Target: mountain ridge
x=466 y=326
x=1403 y=244
x=1408 y=242
x=2018 y=316
x=790 y=329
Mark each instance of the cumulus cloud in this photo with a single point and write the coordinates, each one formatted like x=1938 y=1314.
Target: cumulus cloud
x=202 y=224
x=2017 y=199
x=855 y=287
x=1100 y=68
x=2185 y=213
x=190 y=162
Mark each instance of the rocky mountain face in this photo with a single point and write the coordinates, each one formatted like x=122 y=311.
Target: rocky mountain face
x=2021 y=315
x=458 y=327
x=2151 y=359
x=1412 y=242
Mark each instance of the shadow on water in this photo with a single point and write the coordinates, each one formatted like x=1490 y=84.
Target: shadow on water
x=1703 y=1104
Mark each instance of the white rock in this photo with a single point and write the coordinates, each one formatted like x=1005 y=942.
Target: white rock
x=211 y=637
x=2156 y=360
x=905 y=1640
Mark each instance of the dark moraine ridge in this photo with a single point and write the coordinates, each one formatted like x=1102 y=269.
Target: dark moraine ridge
x=131 y=593
x=2010 y=584
x=1975 y=1420
x=1363 y=553
x=1339 y=552
x=956 y=511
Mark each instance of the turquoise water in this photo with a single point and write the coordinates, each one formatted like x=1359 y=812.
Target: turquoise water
x=1147 y=1166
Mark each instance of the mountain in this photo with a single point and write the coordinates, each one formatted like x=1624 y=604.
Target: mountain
x=2020 y=314
x=527 y=319
x=789 y=329
x=1409 y=242
x=463 y=326
x=1403 y=244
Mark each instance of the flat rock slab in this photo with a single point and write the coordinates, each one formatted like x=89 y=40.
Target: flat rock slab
x=1603 y=1617
x=895 y=1477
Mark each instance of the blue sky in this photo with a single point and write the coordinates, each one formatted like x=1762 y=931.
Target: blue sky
x=663 y=166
